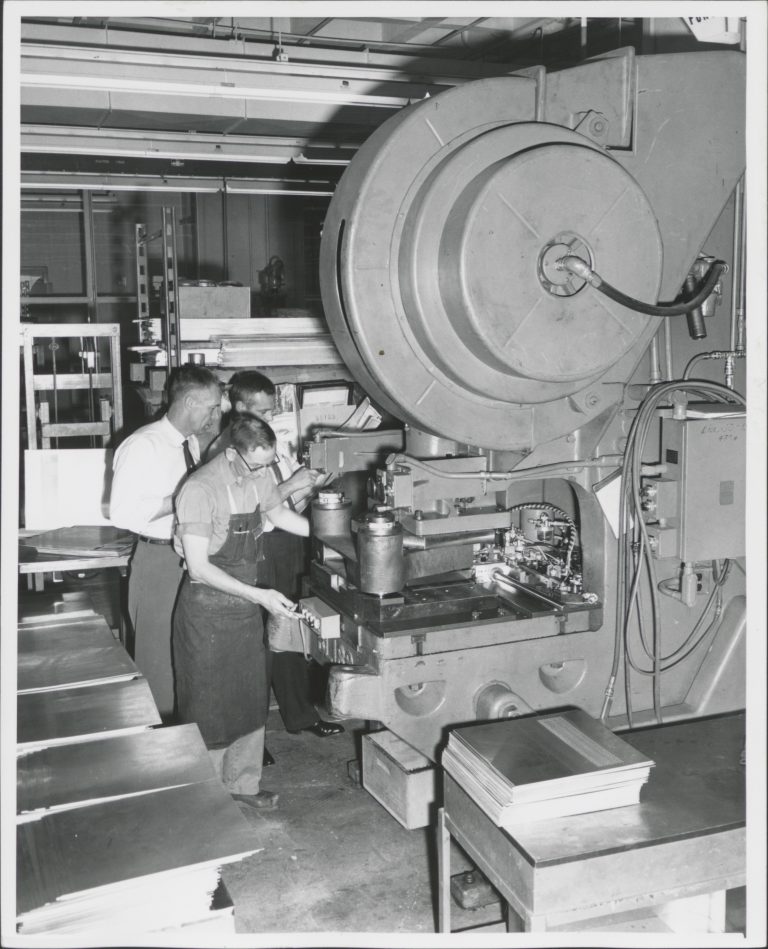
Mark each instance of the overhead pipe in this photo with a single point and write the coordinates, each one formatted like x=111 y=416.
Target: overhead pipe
x=433 y=541
x=655 y=368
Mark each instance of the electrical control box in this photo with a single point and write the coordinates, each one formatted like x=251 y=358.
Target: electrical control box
x=703 y=502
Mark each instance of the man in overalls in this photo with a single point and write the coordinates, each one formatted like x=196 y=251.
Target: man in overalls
x=218 y=637
x=253 y=394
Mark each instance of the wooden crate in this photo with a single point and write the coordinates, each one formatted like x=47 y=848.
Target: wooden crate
x=400 y=778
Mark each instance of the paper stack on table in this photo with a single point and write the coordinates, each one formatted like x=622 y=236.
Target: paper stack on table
x=544 y=766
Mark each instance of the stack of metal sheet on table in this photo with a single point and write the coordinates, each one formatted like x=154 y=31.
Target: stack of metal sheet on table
x=82 y=540
x=539 y=767
x=75 y=682
x=121 y=828
x=69 y=655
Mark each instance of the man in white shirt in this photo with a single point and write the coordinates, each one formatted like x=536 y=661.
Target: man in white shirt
x=149 y=467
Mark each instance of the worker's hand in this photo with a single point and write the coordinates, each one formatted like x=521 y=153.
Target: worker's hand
x=324 y=478
x=303 y=479
x=276 y=603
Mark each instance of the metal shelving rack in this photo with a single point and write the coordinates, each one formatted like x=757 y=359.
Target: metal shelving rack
x=170 y=323
x=103 y=384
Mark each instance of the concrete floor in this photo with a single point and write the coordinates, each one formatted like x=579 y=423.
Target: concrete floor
x=332 y=859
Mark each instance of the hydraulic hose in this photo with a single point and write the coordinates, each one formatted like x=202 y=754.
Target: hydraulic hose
x=581 y=268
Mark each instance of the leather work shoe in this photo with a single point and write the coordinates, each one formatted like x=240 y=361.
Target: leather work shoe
x=263 y=801
x=321 y=729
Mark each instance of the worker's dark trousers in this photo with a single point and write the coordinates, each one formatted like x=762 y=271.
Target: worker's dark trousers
x=291 y=685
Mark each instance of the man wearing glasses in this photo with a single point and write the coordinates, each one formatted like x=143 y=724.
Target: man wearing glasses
x=219 y=655
x=252 y=394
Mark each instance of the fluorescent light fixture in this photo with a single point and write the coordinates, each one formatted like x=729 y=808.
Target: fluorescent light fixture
x=334 y=158
x=149 y=87
x=69 y=182
x=42 y=181
x=254 y=187
x=187 y=146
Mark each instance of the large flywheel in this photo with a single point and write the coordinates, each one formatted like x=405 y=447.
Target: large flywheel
x=440 y=268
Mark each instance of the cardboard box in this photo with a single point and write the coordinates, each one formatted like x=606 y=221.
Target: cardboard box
x=210 y=303
x=400 y=778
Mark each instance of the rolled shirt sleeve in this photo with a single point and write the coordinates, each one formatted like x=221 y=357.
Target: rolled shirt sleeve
x=195 y=510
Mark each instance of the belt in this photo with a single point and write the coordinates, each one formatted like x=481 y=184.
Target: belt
x=153 y=540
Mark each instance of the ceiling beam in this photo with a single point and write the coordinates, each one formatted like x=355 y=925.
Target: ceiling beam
x=397 y=62
x=320 y=25
x=414 y=29
x=460 y=31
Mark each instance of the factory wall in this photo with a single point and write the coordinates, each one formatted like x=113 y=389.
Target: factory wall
x=238 y=235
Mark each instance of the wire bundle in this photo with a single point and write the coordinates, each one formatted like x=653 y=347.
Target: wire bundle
x=553 y=509
x=636 y=569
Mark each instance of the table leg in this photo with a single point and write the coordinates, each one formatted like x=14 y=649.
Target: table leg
x=513 y=921
x=535 y=924
x=702 y=914
x=121 y=624
x=443 y=874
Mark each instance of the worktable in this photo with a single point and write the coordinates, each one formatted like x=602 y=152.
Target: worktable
x=73 y=550
x=676 y=852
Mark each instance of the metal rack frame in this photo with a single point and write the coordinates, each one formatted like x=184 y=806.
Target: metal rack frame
x=171 y=317
x=111 y=413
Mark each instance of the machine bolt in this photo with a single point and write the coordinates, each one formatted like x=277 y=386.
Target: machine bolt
x=592 y=400
x=598 y=126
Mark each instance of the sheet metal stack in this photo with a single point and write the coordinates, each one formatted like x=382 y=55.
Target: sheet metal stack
x=121 y=828
x=76 y=682
x=544 y=766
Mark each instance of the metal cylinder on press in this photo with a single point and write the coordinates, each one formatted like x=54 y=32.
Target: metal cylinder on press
x=380 y=553
x=331 y=514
